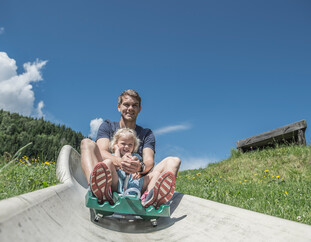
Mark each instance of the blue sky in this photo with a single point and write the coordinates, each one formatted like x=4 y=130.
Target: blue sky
x=210 y=73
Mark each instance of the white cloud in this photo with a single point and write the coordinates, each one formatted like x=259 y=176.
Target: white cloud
x=16 y=94
x=39 y=109
x=1 y=30
x=94 y=126
x=188 y=160
x=190 y=163
x=172 y=128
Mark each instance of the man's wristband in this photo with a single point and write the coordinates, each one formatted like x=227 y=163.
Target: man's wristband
x=143 y=167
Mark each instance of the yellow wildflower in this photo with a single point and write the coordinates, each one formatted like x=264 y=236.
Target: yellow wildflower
x=47 y=163
x=277 y=177
x=285 y=192
x=266 y=171
x=199 y=174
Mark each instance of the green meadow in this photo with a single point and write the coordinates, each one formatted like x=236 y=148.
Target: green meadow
x=271 y=181
x=19 y=175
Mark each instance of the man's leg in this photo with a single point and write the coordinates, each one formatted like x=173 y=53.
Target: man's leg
x=90 y=156
x=159 y=185
x=170 y=164
x=104 y=180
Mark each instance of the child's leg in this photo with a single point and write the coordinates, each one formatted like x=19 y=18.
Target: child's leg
x=135 y=183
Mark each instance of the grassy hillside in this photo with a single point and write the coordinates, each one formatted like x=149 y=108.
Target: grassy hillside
x=272 y=181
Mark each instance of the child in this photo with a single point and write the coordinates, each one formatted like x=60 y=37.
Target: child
x=125 y=141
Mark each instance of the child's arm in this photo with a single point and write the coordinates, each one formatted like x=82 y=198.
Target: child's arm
x=117 y=151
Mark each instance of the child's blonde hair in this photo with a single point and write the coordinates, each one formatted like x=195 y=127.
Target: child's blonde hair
x=125 y=132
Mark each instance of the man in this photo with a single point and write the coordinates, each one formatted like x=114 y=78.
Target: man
x=100 y=166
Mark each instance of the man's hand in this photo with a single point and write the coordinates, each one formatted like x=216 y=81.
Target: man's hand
x=130 y=164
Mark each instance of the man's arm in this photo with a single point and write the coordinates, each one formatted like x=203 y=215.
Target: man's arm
x=103 y=145
x=148 y=159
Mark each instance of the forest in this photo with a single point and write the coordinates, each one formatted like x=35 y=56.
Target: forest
x=47 y=138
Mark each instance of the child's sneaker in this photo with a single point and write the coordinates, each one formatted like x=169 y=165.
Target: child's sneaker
x=101 y=180
x=144 y=196
x=162 y=192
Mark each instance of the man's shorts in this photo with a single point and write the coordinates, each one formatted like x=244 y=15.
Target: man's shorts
x=135 y=183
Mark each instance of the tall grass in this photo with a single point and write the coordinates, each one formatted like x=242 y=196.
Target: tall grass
x=23 y=175
x=272 y=181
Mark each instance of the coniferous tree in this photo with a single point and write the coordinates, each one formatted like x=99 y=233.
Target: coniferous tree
x=47 y=138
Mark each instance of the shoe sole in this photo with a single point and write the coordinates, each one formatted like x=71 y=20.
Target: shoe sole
x=163 y=190
x=101 y=180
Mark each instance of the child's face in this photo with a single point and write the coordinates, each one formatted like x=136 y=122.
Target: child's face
x=126 y=144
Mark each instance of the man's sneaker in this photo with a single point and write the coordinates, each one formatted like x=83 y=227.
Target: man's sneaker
x=101 y=180
x=162 y=192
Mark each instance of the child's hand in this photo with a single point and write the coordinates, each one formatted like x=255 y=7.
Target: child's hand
x=117 y=151
x=136 y=175
x=130 y=164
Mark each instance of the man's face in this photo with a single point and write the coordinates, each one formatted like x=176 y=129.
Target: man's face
x=129 y=108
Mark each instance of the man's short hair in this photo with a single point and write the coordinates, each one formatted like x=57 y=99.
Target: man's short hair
x=131 y=93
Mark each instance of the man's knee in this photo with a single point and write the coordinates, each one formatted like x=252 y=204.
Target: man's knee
x=173 y=160
x=177 y=161
x=87 y=144
x=109 y=163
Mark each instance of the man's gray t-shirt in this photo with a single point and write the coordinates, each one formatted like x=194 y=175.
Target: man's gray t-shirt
x=147 y=140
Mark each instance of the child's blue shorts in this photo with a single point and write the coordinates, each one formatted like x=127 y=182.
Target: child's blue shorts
x=135 y=183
